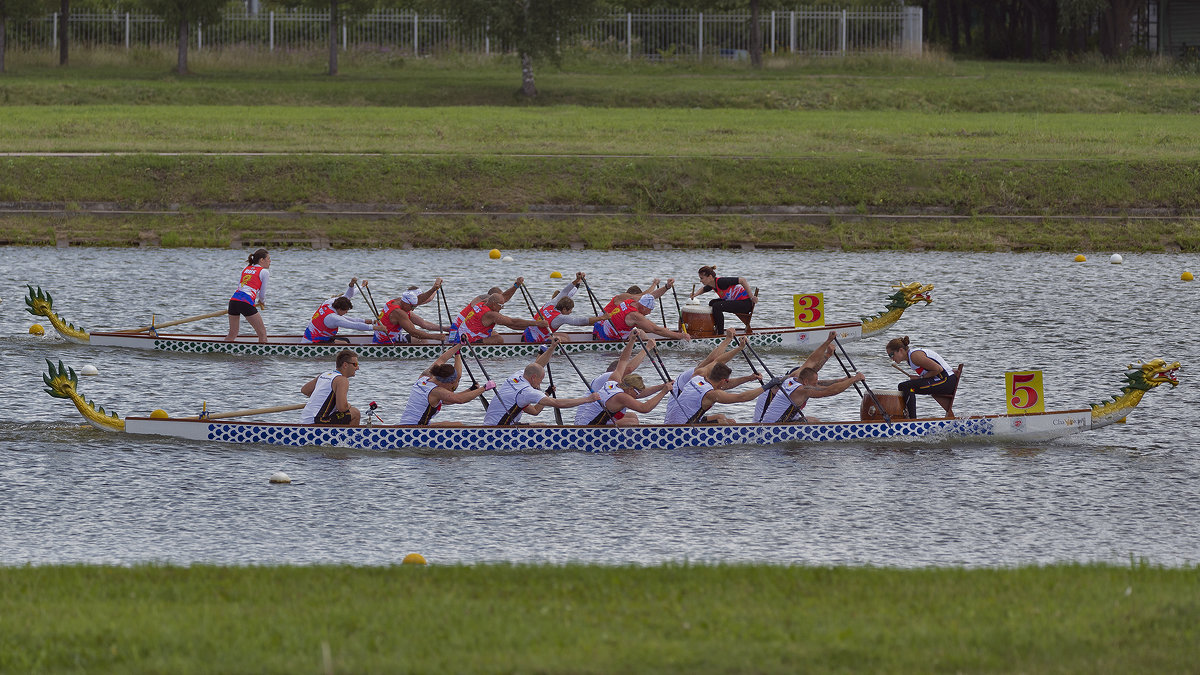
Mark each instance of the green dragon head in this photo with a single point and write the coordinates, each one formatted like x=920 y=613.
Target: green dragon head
x=908 y=295
x=1146 y=375
x=61 y=382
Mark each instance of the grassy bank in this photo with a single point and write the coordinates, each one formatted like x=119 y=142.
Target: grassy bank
x=584 y=619
x=932 y=84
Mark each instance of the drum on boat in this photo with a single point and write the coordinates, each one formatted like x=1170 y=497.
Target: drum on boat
x=892 y=404
x=697 y=321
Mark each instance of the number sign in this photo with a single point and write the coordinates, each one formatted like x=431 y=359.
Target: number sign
x=1023 y=389
x=809 y=310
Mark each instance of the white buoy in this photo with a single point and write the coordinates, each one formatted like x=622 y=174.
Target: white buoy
x=1116 y=259
x=507 y=258
x=280 y=477
x=89 y=369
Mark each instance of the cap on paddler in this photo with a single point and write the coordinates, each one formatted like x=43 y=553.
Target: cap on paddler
x=410 y=297
x=646 y=301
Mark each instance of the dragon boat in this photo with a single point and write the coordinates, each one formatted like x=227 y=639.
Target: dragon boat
x=41 y=303
x=1142 y=377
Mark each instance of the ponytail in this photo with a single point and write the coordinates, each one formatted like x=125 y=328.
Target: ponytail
x=708 y=271
x=257 y=256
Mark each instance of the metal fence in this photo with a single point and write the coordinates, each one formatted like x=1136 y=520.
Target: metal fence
x=651 y=35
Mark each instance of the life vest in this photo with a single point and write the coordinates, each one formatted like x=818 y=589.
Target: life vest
x=250 y=285
x=389 y=333
x=469 y=323
x=508 y=394
x=615 y=327
x=539 y=334
x=947 y=371
x=418 y=410
x=321 y=403
x=690 y=401
x=736 y=292
x=317 y=331
x=606 y=416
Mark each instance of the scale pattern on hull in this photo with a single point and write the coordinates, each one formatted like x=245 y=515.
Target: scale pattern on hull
x=587 y=439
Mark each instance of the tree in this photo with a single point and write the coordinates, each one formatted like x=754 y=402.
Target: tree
x=534 y=29
x=14 y=10
x=64 y=11
x=338 y=10
x=183 y=14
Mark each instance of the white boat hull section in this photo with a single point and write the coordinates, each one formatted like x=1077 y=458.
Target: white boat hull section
x=1030 y=427
x=575 y=342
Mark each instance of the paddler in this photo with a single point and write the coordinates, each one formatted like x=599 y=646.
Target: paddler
x=250 y=296
x=520 y=393
x=634 y=292
x=734 y=295
x=719 y=354
x=436 y=387
x=477 y=320
x=933 y=375
x=557 y=312
x=328 y=394
x=786 y=403
x=620 y=391
x=397 y=323
x=331 y=316
x=630 y=314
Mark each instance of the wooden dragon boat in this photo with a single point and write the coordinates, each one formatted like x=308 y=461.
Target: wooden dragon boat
x=1142 y=377
x=40 y=303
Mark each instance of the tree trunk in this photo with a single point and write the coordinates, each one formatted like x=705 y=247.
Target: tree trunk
x=181 y=66
x=65 y=11
x=3 y=30
x=756 y=47
x=1115 y=32
x=527 y=87
x=333 y=25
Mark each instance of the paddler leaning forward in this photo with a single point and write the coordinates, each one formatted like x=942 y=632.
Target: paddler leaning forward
x=629 y=314
x=519 y=393
x=328 y=394
x=437 y=387
x=620 y=393
x=331 y=315
x=398 y=324
x=557 y=313
x=477 y=321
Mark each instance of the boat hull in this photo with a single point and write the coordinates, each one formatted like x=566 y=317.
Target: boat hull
x=576 y=343
x=1030 y=427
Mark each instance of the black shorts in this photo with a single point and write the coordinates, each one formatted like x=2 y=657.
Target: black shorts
x=240 y=307
x=335 y=417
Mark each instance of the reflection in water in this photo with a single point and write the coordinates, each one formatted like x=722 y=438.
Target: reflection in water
x=72 y=493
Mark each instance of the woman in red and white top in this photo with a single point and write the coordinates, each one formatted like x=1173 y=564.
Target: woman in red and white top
x=250 y=296
x=735 y=295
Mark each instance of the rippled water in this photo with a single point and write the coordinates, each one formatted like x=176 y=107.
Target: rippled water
x=69 y=493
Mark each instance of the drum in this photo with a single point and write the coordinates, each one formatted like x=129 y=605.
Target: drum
x=697 y=321
x=892 y=403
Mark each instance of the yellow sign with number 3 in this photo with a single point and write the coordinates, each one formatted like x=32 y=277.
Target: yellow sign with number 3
x=1023 y=391
x=809 y=310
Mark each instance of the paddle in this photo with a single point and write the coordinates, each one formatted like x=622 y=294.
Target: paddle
x=466 y=366
x=770 y=396
x=528 y=301
x=154 y=326
x=592 y=296
x=570 y=360
x=678 y=309
x=371 y=299
x=656 y=361
x=886 y=417
x=244 y=413
x=554 y=393
x=485 y=375
x=367 y=298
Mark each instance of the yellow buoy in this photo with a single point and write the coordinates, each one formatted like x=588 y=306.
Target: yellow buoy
x=414 y=559
x=494 y=254
x=1186 y=276
x=36 y=329
x=159 y=414
x=556 y=275
x=1081 y=258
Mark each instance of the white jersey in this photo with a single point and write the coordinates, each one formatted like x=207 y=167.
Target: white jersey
x=779 y=403
x=609 y=390
x=588 y=411
x=418 y=402
x=673 y=397
x=690 y=399
x=321 y=401
x=937 y=358
x=515 y=390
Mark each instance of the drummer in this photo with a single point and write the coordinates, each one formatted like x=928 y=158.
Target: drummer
x=734 y=295
x=933 y=376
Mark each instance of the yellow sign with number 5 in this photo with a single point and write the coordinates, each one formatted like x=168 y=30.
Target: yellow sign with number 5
x=809 y=310
x=1023 y=390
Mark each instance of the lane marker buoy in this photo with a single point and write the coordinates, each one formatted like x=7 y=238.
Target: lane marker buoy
x=89 y=369
x=36 y=329
x=414 y=559
x=507 y=258
x=1116 y=259
x=280 y=477
x=494 y=254
x=1081 y=258
x=1186 y=276
x=159 y=414
x=556 y=275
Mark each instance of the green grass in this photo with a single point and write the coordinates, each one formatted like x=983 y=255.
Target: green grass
x=588 y=619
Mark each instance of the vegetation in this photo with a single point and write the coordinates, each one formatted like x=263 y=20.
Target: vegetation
x=592 y=619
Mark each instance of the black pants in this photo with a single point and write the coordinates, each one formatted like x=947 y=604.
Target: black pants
x=942 y=383
x=732 y=306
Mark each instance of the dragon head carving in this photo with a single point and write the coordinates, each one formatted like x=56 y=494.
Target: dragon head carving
x=908 y=295
x=1146 y=375
x=61 y=382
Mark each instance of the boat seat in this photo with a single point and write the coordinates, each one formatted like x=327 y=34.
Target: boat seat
x=947 y=400
x=746 y=317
